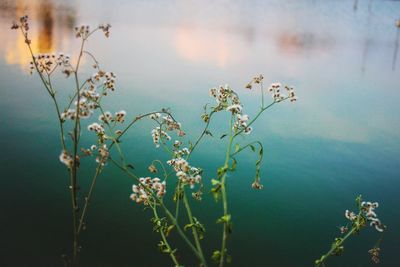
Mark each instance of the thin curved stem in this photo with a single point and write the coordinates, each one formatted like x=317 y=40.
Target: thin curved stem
x=201 y=135
x=246 y=146
x=256 y=117
x=164 y=238
x=194 y=230
x=88 y=197
x=49 y=90
x=167 y=212
x=334 y=247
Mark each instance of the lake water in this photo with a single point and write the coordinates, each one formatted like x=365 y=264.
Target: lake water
x=340 y=139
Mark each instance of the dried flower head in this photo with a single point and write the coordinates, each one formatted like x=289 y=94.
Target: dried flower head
x=106 y=29
x=375 y=254
x=152 y=168
x=256 y=185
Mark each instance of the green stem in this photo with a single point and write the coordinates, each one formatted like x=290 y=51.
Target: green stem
x=76 y=135
x=256 y=117
x=53 y=96
x=334 y=247
x=178 y=199
x=184 y=237
x=262 y=94
x=88 y=197
x=136 y=119
x=164 y=238
x=201 y=135
x=194 y=230
x=246 y=146
x=224 y=195
x=50 y=91
x=168 y=213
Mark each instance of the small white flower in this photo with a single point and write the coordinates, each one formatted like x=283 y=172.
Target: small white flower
x=350 y=215
x=120 y=116
x=66 y=159
x=248 y=130
x=234 y=108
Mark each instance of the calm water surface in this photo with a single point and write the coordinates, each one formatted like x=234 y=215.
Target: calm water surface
x=339 y=140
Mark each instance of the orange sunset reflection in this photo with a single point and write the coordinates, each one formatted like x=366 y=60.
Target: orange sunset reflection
x=52 y=24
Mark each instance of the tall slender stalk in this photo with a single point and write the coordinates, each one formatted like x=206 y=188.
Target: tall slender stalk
x=170 y=252
x=224 y=195
x=194 y=230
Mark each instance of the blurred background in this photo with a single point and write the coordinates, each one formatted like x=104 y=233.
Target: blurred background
x=339 y=140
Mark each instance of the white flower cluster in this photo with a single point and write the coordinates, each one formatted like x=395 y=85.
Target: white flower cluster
x=350 y=215
x=167 y=124
x=171 y=125
x=47 y=62
x=228 y=99
x=155 y=116
x=177 y=144
x=369 y=213
x=108 y=79
x=91 y=94
x=178 y=152
x=186 y=173
x=66 y=159
x=107 y=117
x=256 y=80
x=89 y=98
x=120 y=116
x=235 y=108
x=154 y=185
x=97 y=128
x=102 y=155
x=157 y=134
x=275 y=90
x=68 y=114
x=86 y=107
x=181 y=152
x=88 y=102
x=241 y=123
x=369 y=209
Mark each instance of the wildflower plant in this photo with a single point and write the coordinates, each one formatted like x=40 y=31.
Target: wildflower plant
x=185 y=178
x=359 y=220
x=86 y=101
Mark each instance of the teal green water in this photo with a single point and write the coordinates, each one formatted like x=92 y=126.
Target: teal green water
x=339 y=140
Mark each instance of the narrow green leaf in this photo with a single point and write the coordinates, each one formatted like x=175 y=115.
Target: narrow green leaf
x=252 y=148
x=215 y=182
x=237 y=147
x=234 y=164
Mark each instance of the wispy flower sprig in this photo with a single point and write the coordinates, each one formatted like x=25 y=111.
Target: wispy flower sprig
x=359 y=220
x=239 y=123
x=82 y=105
